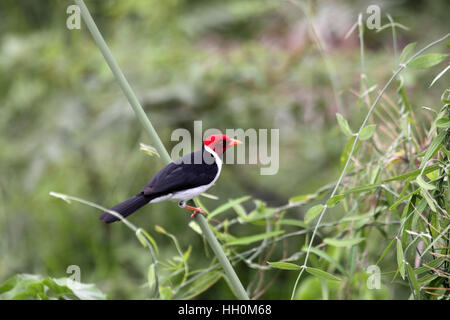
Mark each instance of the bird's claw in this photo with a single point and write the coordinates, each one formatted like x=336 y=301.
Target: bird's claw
x=197 y=211
x=194 y=209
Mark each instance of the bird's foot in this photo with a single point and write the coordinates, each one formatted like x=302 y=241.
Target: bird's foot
x=195 y=211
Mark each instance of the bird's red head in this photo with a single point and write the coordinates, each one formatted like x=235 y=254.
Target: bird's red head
x=220 y=142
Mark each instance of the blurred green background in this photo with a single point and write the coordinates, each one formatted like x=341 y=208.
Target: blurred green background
x=66 y=126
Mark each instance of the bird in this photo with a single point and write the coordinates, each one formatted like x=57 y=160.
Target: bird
x=181 y=180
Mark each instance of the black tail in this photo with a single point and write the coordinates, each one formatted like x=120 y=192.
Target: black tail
x=126 y=208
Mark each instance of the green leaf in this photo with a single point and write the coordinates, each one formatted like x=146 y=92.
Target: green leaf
x=343 y=124
x=443 y=123
x=151 y=151
x=447 y=152
x=335 y=200
x=187 y=254
x=427 y=60
x=151 y=277
x=434 y=220
x=413 y=279
x=37 y=287
x=401 y=199
x=209 y=196
x=141 y=233
x=428 y=199
x=326 y=257
x=240 y=210
x=202 y=284
x=227 y=206
x=439 y=75
x=166 y=293
x=367 y=132
x=260 y=212
x=385 y=251
x=435 y=240
x=357 y=217
x=346 y=151
x=433 y=264
x=83 y=291
x=313 y=212
x=407 y=52
x=433 y=175
x=194 y=226
x=160 y=229
x=400 y=259
x=141 y=238
x=427 y=278
x=254 y=238
x=285 y=265
x=292 y=222
x=423 y=184
x=361 y=189
x=445 y=97
x=322 y=274
x=403 y=95
x=302 y=198
x=434 y=147
x=342 y=242
x=413 y=173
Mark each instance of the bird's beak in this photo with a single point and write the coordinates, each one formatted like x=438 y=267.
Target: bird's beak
x=234 y=142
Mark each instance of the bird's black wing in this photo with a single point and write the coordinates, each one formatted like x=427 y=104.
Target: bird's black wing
x=183 y=174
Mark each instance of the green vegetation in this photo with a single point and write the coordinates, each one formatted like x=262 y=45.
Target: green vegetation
x=364 y=150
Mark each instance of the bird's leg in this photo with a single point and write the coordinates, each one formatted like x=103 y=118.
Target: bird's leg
x=195 y=210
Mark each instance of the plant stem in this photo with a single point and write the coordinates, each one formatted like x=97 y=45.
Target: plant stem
x=394 y=38
x=331 y=70
x=122 y=81
x=136 y=230
x=236 y=285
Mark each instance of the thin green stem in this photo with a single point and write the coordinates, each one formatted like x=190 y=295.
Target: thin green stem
x=361 y=46
x=122 y=81
x=344 y=170
x=138 y=231
x=394 y=39
x=331 y=70
x=236 y=285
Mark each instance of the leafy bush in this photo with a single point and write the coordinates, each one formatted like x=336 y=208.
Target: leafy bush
x=36 y=287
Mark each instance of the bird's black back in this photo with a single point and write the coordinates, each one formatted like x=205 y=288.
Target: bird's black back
x=190 y=171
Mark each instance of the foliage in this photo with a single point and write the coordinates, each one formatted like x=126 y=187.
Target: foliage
x=30 y=286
